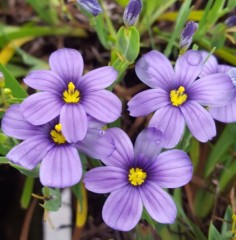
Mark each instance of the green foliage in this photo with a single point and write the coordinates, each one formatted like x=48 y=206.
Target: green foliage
x=46 y=9
x=52 y=200
x=27 y=191
x=213 y=233
x=220 y=149
x=11 y=83
x=128 y=43
x=180 y=21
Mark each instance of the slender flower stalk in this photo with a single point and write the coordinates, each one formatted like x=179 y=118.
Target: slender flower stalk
x=68 y=94
x=60 y=162
x=226 y=113
x=135 y=177
x=178 y=96
x=132 y=12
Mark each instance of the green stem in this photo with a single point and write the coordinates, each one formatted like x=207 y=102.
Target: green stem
x=110 y=26
x=27 y=191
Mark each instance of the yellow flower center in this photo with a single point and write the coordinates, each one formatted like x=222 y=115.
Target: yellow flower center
x=178 y=97
x=71 y=95
x=57 y=135
x=137 y=176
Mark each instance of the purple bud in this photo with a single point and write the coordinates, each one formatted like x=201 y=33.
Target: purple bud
x=91 y=6
x=187 y=34
x=132 y=12
x=231 y=21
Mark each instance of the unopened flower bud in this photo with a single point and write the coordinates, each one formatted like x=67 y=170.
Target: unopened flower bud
x=231 y=21
x=187 y=35
x=132 y=12
x=90 y=6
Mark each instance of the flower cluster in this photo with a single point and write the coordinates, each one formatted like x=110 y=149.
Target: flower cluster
x=66 y=114
x=70 y=109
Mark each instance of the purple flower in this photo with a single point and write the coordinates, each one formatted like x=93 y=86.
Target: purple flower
x=231 y=21
x=60 y=162
x=187 y=34
x=67 y=93
x=177 y=95
x=225 y=113
x=91 y=6
x=132 y=12
x=135 y=177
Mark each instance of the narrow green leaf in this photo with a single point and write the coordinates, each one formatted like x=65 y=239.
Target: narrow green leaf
x=98 y=24
x=213 y=233
x=202 y=196
x=46 y=9
x=226 y=225
x=203 y=21
x=10 y=82
x=27 y=191
x=228 y=176
x=225 y=140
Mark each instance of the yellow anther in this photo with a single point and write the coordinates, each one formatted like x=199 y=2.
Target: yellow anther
x=178 y=97
x=58 y=127
x=137 y=176
x=71 y=95
x=57 y=135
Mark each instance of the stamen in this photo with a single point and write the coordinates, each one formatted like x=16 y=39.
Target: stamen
x=57 y=135
x=71 y=95
x=178 y=97
x=137 y=176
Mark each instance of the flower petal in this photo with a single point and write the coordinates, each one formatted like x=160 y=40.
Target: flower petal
x=148 y=101
x=188 y=68
x=148 y=144
x=102 y=105
x=61 y=167
x=213 y=90
x=123 y=209
x=45 y=80
x=15 y=125
x=199 y=121
x=158 y=203
x=74 y=122
x=30 y=152
x=123 y=156
x=223 y=68
x=170 y=122
x=98 y=79
x=171 y=169
x=226 y=114
x=41 y=108
x=105 y=179
x=155 y=70
x=97 y=144
x=210 y=66
x=68 y=64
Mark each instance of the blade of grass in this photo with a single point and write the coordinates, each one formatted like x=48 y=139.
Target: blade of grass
x=10 y=82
